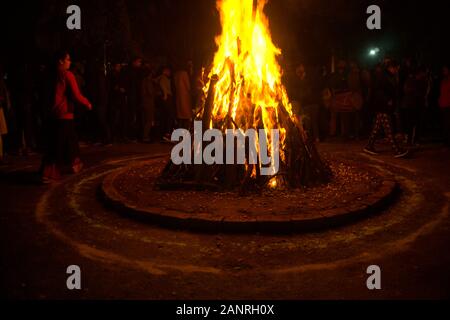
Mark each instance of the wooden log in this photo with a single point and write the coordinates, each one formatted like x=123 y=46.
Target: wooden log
x=209 y=104
x=199 y=170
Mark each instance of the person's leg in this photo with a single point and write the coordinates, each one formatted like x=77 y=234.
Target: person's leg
x=377 y=125
x=160 y=120
x=28 y=129
x=72 y=148
x=387 y=127
x=105 y=134
x=333 y=122
x=165 y=116
x=342 y=116
x=53 y=160
x=417 y=124
x=306 y=119
x=404 y=122
x=322 y=122
x=315 y=122
x=173 y=115
x=140 y=119
x=123 y=120
x=169 y=115
x=356 y=123
x=131 y=113
x=20 y=129
x=146 y=123
x=113 y=120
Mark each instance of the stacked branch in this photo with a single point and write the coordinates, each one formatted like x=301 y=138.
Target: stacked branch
x=301 y=166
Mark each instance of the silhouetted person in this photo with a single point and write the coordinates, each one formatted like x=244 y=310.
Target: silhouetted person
x=118 y=103
x=41 y=103
x=183 y=97
x=4 y=107
x=352 y=119
x=22 y=91
x=62 y=144
x=82 y=116
x=134 y=95
x=148 y=105
x=444 y=103
x=167 y=108
x=384 y=99
x=339 y=89
x=413 y=102
x=199 y=94
x=307 y=95
x=100 y=98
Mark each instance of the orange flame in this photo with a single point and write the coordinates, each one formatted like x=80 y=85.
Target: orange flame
x=249 y=91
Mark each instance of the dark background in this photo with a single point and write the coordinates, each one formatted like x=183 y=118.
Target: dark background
x=306 y=30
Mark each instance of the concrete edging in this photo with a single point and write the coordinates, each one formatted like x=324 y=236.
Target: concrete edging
x=264 y=223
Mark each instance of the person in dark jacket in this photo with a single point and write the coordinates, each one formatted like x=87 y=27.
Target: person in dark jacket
x=118 y=103
x=384 y=100
x=148 y=105
x=62 y=145
x=307 y=94
x=444 y=103
x=134 y=95
x=5 y=105
x=339 y=86
x=413 y=103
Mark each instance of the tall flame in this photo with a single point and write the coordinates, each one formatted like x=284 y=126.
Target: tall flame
x=249 y=92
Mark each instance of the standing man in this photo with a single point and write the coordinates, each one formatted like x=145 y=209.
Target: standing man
x=308 y=97
x=118 y=103
x=444 y=104
x=183 y=98
x=167 y=106
x=148 y=105
x=4 y=105
x=384 y=100
x=134 y=94
x=340 y=89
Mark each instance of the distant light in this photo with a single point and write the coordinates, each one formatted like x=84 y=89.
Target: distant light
x=374 y=51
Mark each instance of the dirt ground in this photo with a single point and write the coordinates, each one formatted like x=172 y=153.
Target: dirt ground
x=45 y=229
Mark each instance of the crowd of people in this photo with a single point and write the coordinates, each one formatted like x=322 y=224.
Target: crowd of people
x=43 y=109
x=404 y=100
x=131 y=102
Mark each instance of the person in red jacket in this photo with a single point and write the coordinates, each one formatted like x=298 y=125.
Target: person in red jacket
x=62 y=144
x=444 y=103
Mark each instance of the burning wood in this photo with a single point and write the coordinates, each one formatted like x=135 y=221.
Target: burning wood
x=245 y=92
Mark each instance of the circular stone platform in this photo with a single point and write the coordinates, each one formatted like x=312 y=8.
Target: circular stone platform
x=355 y=192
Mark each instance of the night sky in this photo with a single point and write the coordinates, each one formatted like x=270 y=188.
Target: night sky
x=305 y=30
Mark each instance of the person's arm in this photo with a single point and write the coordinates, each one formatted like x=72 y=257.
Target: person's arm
x=71 y=81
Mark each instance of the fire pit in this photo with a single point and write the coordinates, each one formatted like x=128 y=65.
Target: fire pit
x=245 y=93
x=354 y=192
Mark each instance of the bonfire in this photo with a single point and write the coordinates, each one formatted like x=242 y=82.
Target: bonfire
x=245 y=92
